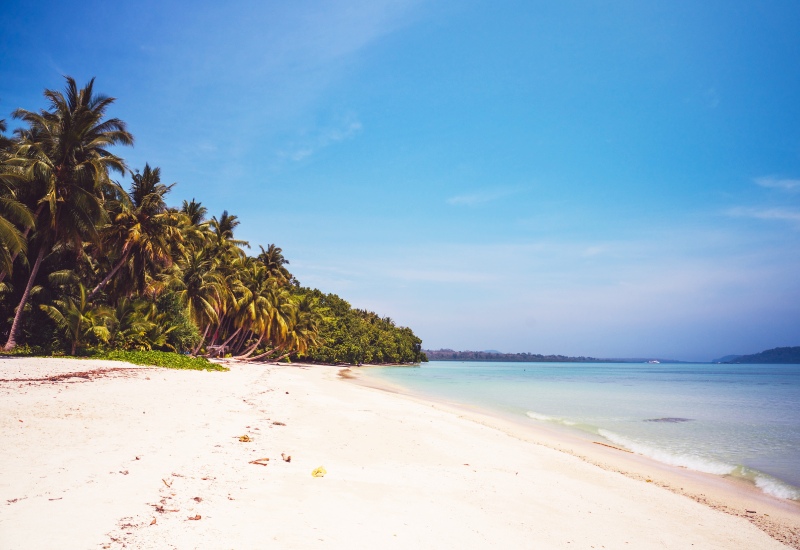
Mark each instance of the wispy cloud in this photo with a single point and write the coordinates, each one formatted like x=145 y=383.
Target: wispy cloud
x=323 y=138
x=771 y=182
x=596 y=250
x=442 y=276
x=774 y=214
x=483 y=196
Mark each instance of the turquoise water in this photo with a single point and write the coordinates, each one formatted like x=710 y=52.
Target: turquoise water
x=742 y=420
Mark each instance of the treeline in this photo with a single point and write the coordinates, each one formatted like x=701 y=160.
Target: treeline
x=450 y=355
x=787 y=355
x=357 y=336
x=86 y=264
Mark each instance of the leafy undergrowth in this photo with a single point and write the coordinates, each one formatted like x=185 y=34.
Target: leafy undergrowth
x=160 y=359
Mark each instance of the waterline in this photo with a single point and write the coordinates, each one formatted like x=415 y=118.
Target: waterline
x=732 y=420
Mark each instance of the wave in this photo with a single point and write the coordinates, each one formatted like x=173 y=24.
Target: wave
x=546 y=418
x=766 y=483
x=693 y=462
x=776 y=488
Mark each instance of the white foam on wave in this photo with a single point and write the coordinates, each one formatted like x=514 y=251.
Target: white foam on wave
x=776 y=488
x=693 y=462
x=546 y=418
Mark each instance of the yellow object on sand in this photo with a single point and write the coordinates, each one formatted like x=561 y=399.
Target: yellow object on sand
x=319 y=472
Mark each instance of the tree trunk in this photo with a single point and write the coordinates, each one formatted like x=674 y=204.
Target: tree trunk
x=125 y=253
x=237 y=343
x=258 y=357
x=221 y=320
x=249 y=352
x=203 y=339
x=15 y=326
x=226 y=342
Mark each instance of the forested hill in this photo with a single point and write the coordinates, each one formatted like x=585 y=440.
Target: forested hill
x=450 y=355
x=789 y=355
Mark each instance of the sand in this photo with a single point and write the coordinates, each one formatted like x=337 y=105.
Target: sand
x=120 y=456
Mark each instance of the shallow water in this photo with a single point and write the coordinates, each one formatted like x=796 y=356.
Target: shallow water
x=742 y=420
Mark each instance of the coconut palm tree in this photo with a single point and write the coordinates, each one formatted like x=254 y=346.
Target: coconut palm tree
x=199 y=287
x=14 y=215
x=193 y=223
x=276 y=264
x=65 y=154
x=78 y=319
x=195 y=211
x=141 y=229
x=222 y=241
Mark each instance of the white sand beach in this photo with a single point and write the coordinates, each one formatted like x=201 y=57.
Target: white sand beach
x=101 y=454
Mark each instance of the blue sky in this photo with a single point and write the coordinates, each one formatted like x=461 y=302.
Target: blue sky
x=610 y=179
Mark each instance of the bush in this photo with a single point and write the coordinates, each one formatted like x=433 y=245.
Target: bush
x=160 y=359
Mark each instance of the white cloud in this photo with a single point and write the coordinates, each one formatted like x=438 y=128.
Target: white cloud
x=481 y=197
x=441 y=276
x=772 y=182
x=323 y=138
x=595 y=250
x=776 y=214
x=299 y=154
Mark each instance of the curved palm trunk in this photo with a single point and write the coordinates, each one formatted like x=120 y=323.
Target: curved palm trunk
x=228 y=341
x=203 y=339
x=241 y=341
x=125 y=253
x=219 y=351
x=15 y=326
x=250 y=351
x=258 y=357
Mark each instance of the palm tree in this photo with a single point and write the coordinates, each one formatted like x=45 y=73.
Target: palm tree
x=273 y=259
x=13 y=213
x=303 y=330
x=64 y=153
x=78 y=320
x=193 y=224
x=141 y=229
x=195 y=211
x=199 y=287
x=222 y=241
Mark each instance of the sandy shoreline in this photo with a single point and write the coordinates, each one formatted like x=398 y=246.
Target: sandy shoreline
x=126 y=457
x=778 y=517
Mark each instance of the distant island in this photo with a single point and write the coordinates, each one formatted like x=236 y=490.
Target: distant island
x=494 y=355
x=788 y=355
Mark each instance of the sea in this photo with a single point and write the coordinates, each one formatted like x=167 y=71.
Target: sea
x=738 y=420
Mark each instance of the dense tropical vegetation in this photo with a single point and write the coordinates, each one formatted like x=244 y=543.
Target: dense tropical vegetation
x=88 y=266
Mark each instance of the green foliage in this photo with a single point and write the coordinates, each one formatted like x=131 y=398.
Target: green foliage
x=159 y=359
x=356 y=336
x=79 y=321
x=184 y=335
x=25 y=350
x=92 y=267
